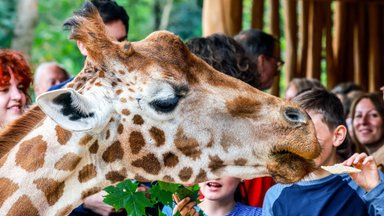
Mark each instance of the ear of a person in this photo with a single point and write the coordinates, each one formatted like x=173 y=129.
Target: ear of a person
x=339 y=135
x=81 y=48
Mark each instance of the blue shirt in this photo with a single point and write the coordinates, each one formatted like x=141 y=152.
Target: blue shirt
x=238 y=210
x=331 y=195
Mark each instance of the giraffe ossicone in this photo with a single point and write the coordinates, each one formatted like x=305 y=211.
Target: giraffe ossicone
x=148 y=110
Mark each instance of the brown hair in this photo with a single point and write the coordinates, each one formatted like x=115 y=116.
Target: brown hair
x=14 y=62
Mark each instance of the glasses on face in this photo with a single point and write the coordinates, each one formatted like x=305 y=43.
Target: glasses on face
x=279 y=62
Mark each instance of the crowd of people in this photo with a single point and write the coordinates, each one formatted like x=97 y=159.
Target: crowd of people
x=349 y=124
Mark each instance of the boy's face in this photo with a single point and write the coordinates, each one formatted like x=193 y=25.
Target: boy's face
x=325 y=136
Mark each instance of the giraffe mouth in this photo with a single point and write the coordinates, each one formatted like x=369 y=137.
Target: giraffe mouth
x=286 y=167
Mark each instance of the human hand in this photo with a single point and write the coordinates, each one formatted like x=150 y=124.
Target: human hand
x=184 y=207
x=369 y=177
x=96 y=204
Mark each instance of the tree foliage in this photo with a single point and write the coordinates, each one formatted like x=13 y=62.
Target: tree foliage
x=125 y=196
x=51 y=42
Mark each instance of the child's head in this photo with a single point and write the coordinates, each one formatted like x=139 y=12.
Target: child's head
x=326 y=112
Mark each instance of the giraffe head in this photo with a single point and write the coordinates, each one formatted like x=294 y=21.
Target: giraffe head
x=170 y=116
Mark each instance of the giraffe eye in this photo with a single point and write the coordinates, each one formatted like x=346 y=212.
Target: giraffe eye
x=165 y=105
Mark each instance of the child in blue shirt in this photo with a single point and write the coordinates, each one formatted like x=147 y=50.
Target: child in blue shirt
x=322 y=193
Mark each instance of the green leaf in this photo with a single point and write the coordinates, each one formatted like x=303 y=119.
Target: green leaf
x=124 y=195
x=168 y=186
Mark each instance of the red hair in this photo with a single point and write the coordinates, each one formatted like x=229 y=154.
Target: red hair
x=14 y=62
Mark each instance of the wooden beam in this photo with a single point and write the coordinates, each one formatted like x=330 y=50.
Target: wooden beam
x=314 y=40
x=275 y=31
x=303 y=42
x=373 y=48
x=290 y=29
x=330 y=70
x=360 y=45
x=222 y=16
x=339 y=40
x=257 y=14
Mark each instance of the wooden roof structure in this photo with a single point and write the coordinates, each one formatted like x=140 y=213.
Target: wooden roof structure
x=346 y=35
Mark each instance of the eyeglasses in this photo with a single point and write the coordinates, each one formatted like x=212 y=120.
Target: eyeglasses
x=279 y=62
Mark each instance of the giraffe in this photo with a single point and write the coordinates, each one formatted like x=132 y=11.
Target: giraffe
x=147 y=110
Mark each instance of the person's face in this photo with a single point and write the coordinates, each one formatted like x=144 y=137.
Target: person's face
x=268 y=69
x=117 y=30
x=290 y=92
x=50 y=77
x=325 y=136
x=367 y=122
x=12 y=101
x=219 y=189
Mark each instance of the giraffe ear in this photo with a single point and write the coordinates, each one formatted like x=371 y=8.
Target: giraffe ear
x=73 y=111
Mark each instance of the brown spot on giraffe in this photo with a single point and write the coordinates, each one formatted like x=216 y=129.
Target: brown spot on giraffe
x=94 y=147
x=136 y=142
x=215 y=163
x=131 y=90
x=116 y=176
x=107 y=134
x=31 y=154
x=201 y=177
x=240 y=161
x=118 y=91
x=244 y=107
x=85 y=139
x=188 y=146
x=121 y=72
x=123 y=100
x=23 y=206
x=68 y=162
x=114 y=84
x=90 y=192
x=87 y=173
x=141 y=178
x=62 y=135
x=170 y=159
x=7 y=189
x=186 y=173
x=168 y=178
x=158 y=135
x=120 y=129
x=228 y=140
x=149 y=163
x=137 y=119
x=52 y=189
x=98 y=84
x=65 y=210
x=113 y=152
x=101 y=74
x=125 y=112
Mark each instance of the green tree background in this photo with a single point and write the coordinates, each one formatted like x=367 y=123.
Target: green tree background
x=51 y=42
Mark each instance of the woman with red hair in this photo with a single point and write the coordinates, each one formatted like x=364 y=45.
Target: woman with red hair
x=15 y=79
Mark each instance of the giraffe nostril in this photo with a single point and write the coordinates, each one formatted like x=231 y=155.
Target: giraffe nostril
x=294 y=115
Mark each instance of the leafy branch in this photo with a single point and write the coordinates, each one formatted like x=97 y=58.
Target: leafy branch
x=125 y=196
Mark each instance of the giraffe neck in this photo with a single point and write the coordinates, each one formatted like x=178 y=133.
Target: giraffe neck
x=51 y=170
